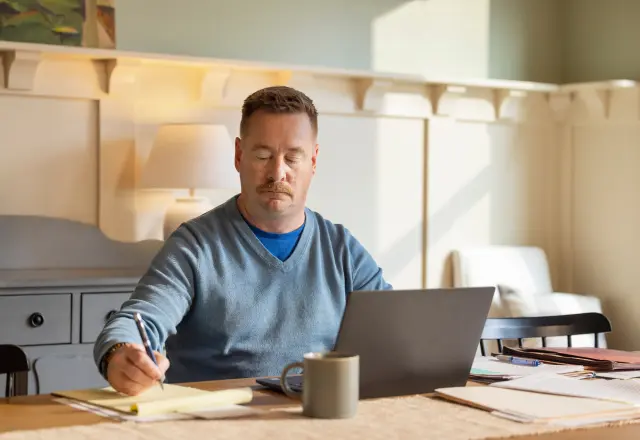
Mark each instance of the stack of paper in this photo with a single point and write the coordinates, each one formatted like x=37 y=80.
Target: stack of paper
x=530 y=407
x=622 y=375
x=156 y=401
x=217 y=412
x=626 y=392
x=553 y=398
x=489 y=369
x=596 y=359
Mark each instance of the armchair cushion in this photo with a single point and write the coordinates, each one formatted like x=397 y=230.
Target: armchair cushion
x=519 y=268
x=516 y=304
x=523 y=286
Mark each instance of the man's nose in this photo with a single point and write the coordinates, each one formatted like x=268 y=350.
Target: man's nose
x=277 y=169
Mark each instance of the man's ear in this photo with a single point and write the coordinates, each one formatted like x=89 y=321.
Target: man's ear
x=238 y=154
x=314 y=157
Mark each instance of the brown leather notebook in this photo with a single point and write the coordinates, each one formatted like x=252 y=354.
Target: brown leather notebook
x=596 y=359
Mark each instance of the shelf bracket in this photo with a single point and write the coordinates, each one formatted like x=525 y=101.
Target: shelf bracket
x=370 y=93
x=20 y=69
x=213 y=88
x=122 y=75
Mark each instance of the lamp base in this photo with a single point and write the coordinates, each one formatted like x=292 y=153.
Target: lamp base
x=182 y=210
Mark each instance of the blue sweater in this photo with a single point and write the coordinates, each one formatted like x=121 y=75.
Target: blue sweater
x=225 y=307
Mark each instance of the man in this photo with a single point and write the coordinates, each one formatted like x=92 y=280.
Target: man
x=256 y=282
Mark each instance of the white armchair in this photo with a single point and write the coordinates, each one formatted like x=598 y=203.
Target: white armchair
x=523 y=286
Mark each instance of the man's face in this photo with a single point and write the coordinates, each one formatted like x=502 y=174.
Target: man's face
x=276 y=160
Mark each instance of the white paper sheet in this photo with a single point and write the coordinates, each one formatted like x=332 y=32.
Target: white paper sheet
x=623 y=391
x=219 y=412
x=490 y=366
x=596 y=420
x=624 y=375
x=527 y=407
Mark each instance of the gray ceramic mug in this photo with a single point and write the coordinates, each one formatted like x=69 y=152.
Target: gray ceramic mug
x=331 y=385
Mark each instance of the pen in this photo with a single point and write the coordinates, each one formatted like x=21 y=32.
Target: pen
x=518 y=361
x=145 y=342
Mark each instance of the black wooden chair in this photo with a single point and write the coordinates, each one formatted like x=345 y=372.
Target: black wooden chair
x=15 y=364
x=501 y=329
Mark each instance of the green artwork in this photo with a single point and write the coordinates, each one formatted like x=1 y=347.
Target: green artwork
x=43 y=21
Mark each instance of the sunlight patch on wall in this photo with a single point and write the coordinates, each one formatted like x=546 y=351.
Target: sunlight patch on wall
x=433 y=37
x=399 y=193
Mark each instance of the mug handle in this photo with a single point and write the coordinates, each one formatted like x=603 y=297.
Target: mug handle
x=283 y=380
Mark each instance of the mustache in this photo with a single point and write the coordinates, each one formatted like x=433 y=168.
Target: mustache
x=276 y=187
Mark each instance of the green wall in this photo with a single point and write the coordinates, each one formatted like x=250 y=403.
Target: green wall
x=601 y=40
x=452 y=38
x=333 y=33
x=531 y=40
x=524 y=40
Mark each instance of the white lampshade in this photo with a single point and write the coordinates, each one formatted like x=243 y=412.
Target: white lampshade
x=191 y=156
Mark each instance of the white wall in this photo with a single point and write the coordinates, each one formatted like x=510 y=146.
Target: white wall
x=48 y=159
x=421 y=168
x=605 y=218
x=490 y=184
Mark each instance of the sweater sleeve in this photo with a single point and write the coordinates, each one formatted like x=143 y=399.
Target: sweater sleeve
x=366 y=273
x=162 y=297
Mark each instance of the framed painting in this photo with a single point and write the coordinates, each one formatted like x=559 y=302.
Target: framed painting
x=86 y=23
x=106 y=24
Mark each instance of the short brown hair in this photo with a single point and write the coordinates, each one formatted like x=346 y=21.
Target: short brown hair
x=278 y=99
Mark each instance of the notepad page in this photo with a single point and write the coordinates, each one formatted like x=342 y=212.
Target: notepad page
x=529 y=406
x=174 y=398
x=487 y=365
x=624 y=391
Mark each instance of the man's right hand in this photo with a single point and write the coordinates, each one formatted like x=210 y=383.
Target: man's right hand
x=131 y=371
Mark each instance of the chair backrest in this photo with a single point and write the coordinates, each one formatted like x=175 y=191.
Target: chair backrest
x=501 y=329
x=15 y=364
x=518 y=267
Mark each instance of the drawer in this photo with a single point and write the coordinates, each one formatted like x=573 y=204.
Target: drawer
x=35 y=319
x=96 y=308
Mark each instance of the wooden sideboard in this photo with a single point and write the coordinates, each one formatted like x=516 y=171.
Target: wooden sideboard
x=59 y=280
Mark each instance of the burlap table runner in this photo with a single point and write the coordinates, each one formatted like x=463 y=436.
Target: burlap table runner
x=406 y=418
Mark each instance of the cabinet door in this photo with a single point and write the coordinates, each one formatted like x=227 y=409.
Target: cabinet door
x=60 y=367
x=96 y=309
x=58 y=372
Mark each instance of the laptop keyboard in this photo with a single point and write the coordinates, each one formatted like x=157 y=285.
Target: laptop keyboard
x=295 y=383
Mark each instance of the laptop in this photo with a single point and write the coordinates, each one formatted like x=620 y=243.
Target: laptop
x=409 y=341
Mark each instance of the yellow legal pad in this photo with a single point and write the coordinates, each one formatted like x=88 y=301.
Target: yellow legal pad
x=174 y=398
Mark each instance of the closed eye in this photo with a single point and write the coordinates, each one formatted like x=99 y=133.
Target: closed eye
x=295 y=157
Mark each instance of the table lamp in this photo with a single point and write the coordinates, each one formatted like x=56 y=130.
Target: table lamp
x=189 y=156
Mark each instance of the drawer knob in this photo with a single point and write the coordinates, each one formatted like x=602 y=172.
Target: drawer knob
x=36 y=320
x=110 y=314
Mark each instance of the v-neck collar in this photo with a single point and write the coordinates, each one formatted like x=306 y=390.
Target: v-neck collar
x=257 y=246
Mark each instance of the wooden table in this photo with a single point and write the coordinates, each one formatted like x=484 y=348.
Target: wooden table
x=41 y=411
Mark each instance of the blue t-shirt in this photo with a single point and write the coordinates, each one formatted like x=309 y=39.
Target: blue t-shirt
x=280 y=245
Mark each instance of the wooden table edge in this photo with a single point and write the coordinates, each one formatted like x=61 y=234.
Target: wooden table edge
x=42 y=412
